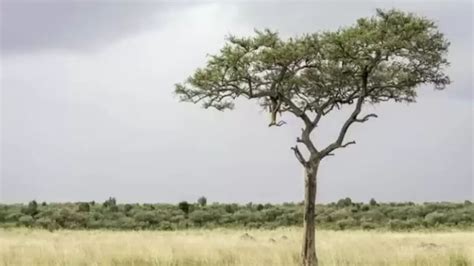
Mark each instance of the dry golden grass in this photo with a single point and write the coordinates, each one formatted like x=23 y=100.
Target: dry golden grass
x=228 y=247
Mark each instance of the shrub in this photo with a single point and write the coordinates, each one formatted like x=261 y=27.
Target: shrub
x=110 y=202
x=340 y=214
x=396 y=224
x=231 y=208
x=184 y=206
x=368 y=226
x=435 y=218
x=13 y=217
x=166 y=226
x=414 y=222
x=347 y=223
x=84 y=207
x=126 y=223
x=146 y=216
x=374 y=216
x=44 y=222
x=113 y=208
x=31 y=209
x=26 y=220
x=344 y=202
x=202 y=201
x=127 y=207
x=199 y=217
x=372 y=202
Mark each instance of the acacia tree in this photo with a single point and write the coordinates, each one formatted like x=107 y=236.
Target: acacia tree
x=378 y=59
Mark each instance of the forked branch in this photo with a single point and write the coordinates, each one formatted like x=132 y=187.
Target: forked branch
x=299 y=156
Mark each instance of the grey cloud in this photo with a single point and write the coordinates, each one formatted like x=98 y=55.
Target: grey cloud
x=75 y=25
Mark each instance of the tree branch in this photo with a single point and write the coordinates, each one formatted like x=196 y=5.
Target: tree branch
x=306 y=140
x=347 y=144
x=296 y=111
x=299 y=156
x=352 y=118
x=365 y=118
x=317 y=118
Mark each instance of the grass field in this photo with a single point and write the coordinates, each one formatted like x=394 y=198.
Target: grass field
x=231 y=247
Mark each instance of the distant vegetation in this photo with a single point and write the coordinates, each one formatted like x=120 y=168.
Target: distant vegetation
x=341 y=215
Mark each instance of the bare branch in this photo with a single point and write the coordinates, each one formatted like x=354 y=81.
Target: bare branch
x=317 y=118
x=347 y=144
x=352 y=118
x=296 y=111
x=299 y=156
x=278 y=124
x=365 y=118
x=306 y=140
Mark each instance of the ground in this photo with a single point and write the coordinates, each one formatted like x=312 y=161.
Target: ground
x=232 y=247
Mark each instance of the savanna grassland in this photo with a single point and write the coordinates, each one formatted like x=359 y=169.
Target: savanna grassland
x=217 y=247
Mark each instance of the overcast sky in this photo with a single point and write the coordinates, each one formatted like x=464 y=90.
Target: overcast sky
x=88 y=111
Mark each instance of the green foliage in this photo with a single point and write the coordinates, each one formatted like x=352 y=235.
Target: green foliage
x=202 y=201
x=26 y=220
x=84 y=207
x=368 y=226
x=200 y=217
x=336 y=216
x=184 y=206
x=344 y=202
x=127 y=207
x=372 y=202
x=111 y=202
x=389 y=54
x=347 y=223
x=435 y=218
x=31 y=209
x=44 y=222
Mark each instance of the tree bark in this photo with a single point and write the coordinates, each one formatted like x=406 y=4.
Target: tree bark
x=308 y=252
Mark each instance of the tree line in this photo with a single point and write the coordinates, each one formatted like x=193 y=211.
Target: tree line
x=341 y=215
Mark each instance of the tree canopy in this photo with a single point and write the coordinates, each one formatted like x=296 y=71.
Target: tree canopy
x=378 y=59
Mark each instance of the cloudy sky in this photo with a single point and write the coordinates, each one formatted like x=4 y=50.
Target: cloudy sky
x=88 y=112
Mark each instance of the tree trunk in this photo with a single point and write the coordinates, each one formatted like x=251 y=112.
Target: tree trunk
x=308 y=252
